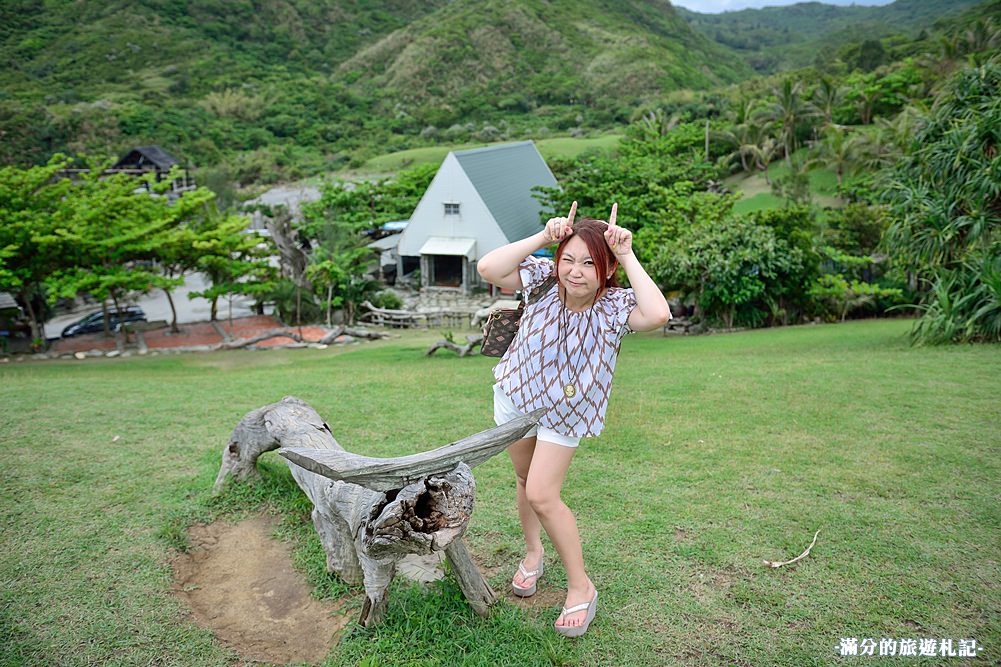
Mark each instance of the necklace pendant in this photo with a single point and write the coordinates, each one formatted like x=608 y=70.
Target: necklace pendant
x=570 y=390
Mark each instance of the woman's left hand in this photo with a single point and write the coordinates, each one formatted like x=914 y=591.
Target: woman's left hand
x=620 y=240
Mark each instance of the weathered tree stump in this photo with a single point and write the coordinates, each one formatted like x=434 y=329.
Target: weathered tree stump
x=370 y=512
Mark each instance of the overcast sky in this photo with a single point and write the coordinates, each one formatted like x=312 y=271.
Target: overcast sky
x=716 y=6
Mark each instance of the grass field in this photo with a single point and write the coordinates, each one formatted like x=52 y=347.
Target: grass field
x=557 y=147
x=756 y=193
x=720 y=451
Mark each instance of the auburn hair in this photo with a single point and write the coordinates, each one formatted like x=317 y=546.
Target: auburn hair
x=592 y=232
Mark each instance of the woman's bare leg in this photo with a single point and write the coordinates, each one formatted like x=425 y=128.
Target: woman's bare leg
x=545 y=480
x=521 y=456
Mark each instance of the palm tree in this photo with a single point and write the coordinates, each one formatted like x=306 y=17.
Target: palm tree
x=981 y=36
x=865 y=103
x=888 y=140
x=837 y=151
x=788 y=111
x=876 y=148
x=826 y=97
x=657 y=123
x=948 y=47
x=743 y=138
x=902 y=129
x=741 y=110
x=763 y=152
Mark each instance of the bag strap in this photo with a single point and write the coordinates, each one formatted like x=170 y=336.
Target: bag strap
x=541 y=290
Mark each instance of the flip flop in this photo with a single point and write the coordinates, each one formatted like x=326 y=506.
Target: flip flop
x=578 y=630
x=529 y=590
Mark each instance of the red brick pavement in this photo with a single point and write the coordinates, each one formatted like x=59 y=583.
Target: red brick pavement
x=195 y=333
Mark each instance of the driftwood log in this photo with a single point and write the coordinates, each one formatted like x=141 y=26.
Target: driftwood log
x=472 y=341
x=370 y=512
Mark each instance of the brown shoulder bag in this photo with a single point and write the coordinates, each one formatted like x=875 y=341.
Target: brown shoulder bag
x=502 y=324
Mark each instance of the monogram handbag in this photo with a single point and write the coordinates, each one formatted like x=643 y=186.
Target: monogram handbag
x=502 y=325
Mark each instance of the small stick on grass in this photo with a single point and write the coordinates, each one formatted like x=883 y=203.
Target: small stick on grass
x=774 y=563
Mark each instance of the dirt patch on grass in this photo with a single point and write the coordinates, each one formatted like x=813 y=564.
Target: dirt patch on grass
x=544 y=598
x=239 y=583
x=710 y=584
x=499 y=576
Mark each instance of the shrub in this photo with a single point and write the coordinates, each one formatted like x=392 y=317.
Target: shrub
x=736 y=270
x=946 y=195
x=387 y=299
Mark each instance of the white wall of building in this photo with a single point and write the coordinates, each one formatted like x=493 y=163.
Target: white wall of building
x=474 y=221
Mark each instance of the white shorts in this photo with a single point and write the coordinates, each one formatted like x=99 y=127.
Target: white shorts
x=505 y=411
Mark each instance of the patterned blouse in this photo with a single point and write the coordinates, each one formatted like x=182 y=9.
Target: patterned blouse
x=535 y=368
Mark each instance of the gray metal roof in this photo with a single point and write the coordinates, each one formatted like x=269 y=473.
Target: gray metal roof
x=504 y=176
x=385 y=243
x=7 y=302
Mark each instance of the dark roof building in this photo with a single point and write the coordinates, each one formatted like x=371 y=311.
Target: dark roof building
x=147 y=158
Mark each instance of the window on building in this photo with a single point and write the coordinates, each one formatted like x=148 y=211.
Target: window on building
x=451 y=208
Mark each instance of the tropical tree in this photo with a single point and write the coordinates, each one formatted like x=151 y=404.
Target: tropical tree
x=795 y=226
x=787 y=111
x=903 y=127
x=32 y=202
x=339 y=266
x=948 y=47
x=946 y=195
x=209 y=241
x=731 y=268
x=827 y=97
x=876 y=148
x=111 y=232
x=236 y=263
x=656 y=123
x=837 y=152
x=794 y=186
x=743 y=139
x=981 y=36
x=865 y=103
x=870 y=55
x=764 y=151
x=741 y=110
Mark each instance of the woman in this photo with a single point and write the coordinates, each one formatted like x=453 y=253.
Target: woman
x=563 y=358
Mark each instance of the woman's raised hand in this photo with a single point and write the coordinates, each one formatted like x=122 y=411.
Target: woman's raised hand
x=558 y=229
x=620 y=240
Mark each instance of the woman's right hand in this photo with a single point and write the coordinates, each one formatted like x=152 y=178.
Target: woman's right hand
x=558 y=229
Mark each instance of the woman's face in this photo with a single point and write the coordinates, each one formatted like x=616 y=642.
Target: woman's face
x=577 y=272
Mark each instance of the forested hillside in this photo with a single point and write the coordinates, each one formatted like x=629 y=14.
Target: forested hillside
x=254 y=91
x=276 y=90
x=772 y=39
x=608 y=56
x=217 y=81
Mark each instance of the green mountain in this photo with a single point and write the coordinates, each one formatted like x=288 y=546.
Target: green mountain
x=67 y=43
x=259 y=86
x=610 y=54
x=208 y=78
x=266 y=90
x=781 y=38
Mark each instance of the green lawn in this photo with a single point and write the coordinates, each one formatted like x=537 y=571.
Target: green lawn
x=720 y=451
x=756 y=193
x=556 y=147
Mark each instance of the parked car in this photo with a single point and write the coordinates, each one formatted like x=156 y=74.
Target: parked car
x=94 y=323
